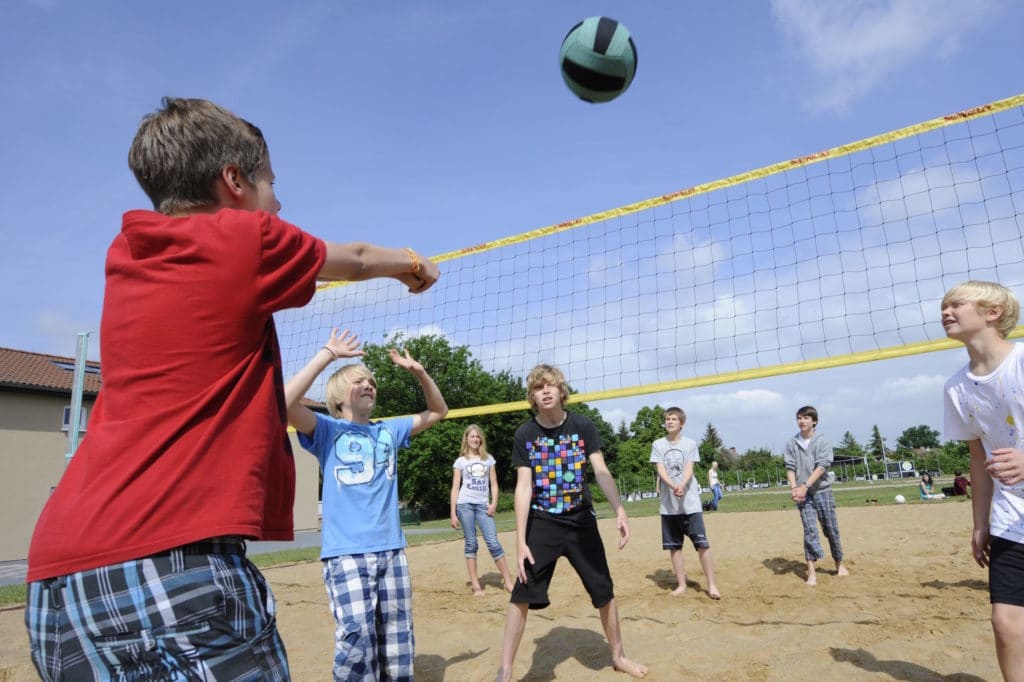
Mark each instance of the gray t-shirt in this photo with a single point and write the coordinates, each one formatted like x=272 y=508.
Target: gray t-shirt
x=674 y=455
x=476 y=479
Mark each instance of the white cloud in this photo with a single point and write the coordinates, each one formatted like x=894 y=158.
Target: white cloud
x=855 y=45
x=921 y=385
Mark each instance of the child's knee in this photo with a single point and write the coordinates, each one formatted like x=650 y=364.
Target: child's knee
x=1008 y=623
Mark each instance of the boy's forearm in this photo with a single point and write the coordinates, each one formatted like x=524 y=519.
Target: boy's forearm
x=611 y=492
x=358 y=261
x=432 y=394
x=296 y=387
x=521 y=506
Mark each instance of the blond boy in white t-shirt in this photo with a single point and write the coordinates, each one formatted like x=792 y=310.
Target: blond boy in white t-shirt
x=984 y=405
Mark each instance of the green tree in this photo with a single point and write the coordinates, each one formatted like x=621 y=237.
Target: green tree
x=633 y=467
x=876 y=448
x=425 y=468
x=848 y=448
x=710 y=446
x=918 y=437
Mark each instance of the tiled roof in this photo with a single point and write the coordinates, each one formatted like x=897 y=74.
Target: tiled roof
x=38 y=371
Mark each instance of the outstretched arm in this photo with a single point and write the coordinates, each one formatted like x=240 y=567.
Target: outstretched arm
x=358 y=261
x=300 y=416
x=437 y=408
x=611 y=492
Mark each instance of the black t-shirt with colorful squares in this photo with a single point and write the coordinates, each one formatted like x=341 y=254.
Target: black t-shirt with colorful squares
x=556 y=458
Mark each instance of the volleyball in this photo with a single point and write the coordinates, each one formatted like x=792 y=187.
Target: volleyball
x=598 y=59
x=900 y=499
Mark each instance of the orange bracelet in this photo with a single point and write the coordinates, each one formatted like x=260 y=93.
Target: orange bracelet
x=415 y=260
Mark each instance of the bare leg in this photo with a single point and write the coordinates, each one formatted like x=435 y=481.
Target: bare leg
x=676 y=555
x=841 y=569
x=812 y=577
x=610 y=623
x=1008 y=626
x=506 y=577
x=515 y=623
x=709 y=571
x=474 y=581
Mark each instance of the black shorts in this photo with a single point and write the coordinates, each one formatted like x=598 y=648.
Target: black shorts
x=580 y=543
x=1006 y=572
x=675 y=527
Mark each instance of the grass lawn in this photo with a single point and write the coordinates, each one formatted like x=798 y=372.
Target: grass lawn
x=853 y=494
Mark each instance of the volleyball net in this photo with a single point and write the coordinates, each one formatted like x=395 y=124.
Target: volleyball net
x=833 y=258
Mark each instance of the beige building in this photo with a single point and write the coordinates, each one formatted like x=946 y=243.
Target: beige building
x=35 y=405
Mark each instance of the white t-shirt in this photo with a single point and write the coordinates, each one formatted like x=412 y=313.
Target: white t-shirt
x=476 y=479
x=674 y=455
x=991 y=408
x=712 y=478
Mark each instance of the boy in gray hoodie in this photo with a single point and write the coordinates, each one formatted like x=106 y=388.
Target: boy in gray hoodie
x=808 y=457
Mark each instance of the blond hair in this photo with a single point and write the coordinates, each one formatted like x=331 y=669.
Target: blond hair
x=180 y=150
x=464 y=448
x=986 y=296
x=340 y=382
x=546 y=375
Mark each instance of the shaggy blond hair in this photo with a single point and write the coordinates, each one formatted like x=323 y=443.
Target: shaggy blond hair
x=546 y=375
x=986 y=296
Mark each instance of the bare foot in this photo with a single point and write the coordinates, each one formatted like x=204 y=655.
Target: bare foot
x=632 y=668
x=841 y=570
x=713 y=592
x=679 y=591
x=503 y=676
x=812 y=579
x=478 y=591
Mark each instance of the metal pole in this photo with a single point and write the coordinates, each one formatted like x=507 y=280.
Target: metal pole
x=77 y=389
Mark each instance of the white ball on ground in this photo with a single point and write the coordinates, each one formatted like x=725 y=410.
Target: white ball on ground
x=900 y=499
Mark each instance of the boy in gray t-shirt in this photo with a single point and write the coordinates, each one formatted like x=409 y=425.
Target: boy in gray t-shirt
x=680 y=509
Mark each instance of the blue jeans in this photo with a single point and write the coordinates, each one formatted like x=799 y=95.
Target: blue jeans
x=716 y=492
x=472 y=515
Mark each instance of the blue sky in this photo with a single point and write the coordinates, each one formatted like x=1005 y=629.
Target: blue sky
x=445 y=124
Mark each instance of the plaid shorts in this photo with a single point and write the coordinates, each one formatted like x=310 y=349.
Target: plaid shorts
x=198 y=612
x=371 y=599
x=820 y=507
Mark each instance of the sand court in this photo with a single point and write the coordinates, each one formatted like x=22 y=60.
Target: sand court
x=915 y=607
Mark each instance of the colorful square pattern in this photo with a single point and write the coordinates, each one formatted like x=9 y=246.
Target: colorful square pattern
x=557 y=472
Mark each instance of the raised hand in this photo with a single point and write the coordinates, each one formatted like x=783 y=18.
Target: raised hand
x=344 y=346
x=406 y=361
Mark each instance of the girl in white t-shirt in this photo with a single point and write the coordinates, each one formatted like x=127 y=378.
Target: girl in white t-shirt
x=473 y=502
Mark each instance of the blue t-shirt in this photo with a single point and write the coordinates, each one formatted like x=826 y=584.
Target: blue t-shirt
x=360 y=493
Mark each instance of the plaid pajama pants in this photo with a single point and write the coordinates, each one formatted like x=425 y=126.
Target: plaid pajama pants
x=198 y=612
x=820 y=507
x=371 y=599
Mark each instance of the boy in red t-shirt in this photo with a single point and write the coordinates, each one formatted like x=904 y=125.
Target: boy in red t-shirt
x=137 y=566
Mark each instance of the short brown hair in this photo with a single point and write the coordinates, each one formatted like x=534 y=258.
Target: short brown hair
x=677 y=411
x=181 y=149
x=808 y=411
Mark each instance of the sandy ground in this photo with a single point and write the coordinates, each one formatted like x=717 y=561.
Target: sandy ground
x=915 y=607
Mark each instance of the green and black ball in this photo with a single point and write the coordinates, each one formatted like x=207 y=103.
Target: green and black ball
x=598 y=59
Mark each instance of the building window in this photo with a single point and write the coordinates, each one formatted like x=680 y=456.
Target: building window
x=65 y=422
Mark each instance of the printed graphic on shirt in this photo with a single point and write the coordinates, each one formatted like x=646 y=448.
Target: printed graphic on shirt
x=476 y=477
x=557 y=472
x=675 y=464
x=356 y=460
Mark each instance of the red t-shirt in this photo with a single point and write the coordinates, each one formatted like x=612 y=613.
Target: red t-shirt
x=187 y=438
